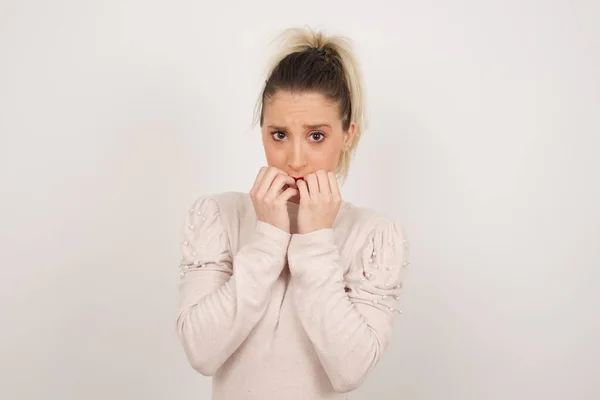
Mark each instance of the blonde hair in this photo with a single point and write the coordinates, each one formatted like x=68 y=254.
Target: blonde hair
x=308 y=60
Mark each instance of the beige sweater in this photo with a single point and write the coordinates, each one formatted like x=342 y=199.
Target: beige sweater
x=274 y=315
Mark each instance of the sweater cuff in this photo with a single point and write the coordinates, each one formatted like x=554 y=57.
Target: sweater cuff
x=320 y=236
x=313 y=253
x=273 y=235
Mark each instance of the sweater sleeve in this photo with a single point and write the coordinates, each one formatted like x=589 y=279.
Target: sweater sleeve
x=222 y=295
x=349 y=319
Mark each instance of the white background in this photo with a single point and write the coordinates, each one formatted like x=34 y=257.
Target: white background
x=484 y=135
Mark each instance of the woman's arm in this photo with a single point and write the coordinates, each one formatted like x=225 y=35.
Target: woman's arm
x=222 y=296
x=348 y=319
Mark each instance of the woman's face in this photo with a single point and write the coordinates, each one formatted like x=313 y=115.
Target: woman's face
x=302 y=133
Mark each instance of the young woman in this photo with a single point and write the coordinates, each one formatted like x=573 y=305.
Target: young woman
x=288 y=292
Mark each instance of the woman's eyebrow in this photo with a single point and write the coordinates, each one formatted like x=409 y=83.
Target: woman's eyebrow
x=317 y=126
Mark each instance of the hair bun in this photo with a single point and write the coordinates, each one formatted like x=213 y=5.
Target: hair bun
x=321 y=51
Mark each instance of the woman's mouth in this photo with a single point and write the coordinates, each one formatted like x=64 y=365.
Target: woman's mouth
x=297 y=178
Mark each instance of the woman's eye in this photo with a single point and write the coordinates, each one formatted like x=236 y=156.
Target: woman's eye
x=278 y=135
x=317 y=136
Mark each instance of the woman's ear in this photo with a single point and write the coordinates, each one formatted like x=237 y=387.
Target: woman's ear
x=349 y=135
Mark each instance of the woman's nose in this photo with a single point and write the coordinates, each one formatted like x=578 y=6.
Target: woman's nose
x=297 y=159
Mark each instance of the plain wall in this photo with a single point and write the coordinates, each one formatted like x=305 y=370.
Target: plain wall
x=485 y=120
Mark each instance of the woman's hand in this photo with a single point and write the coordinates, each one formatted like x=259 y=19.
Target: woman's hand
x=320 y=201
x=270 y=193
